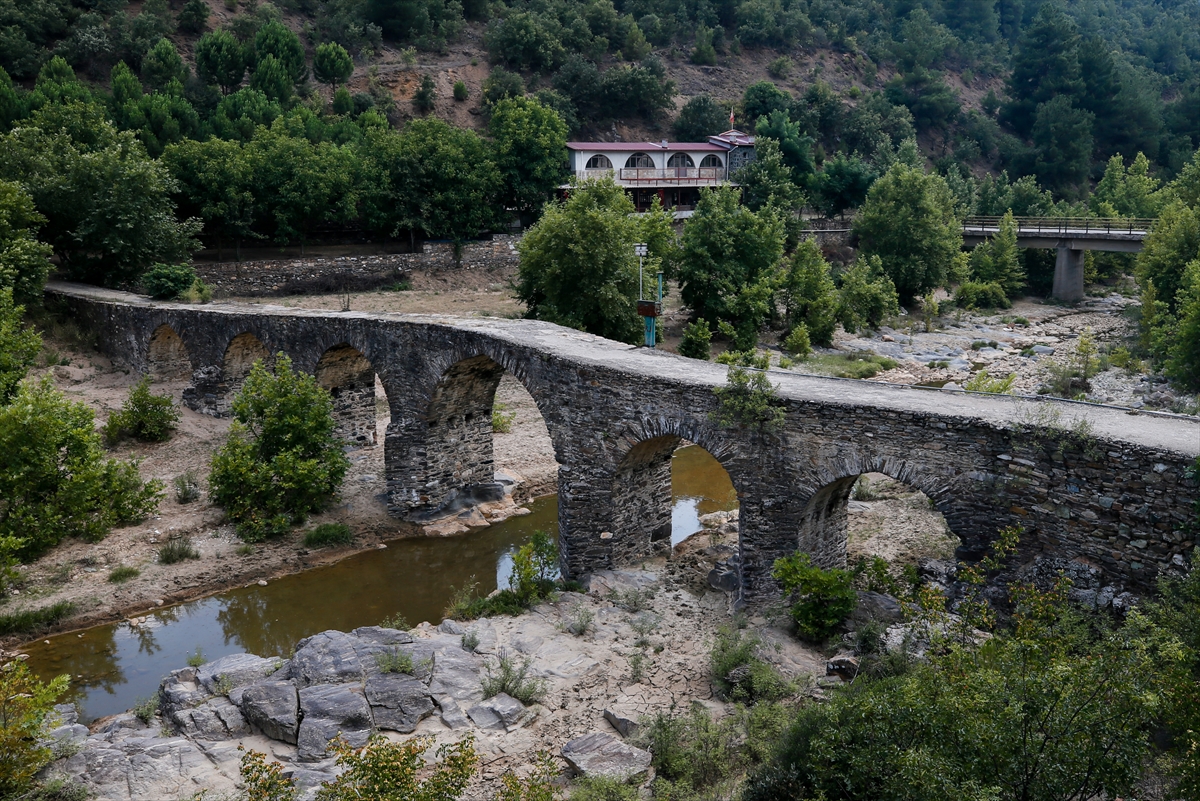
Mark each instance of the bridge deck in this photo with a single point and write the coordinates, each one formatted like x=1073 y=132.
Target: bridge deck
x=1173 y=433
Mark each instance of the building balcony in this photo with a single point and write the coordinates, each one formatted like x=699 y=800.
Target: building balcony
x=649 y=177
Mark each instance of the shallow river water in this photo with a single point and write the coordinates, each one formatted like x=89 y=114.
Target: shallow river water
x=114 y=666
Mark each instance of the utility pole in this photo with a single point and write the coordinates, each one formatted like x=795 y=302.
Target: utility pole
x=649 y=310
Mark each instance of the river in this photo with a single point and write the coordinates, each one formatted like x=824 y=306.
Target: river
x=114 y=666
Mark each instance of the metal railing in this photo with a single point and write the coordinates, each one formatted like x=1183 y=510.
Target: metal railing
x=669 y=174
x=1063 y=225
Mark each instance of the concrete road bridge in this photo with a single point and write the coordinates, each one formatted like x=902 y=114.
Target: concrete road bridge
x=1070 y=237
x=1085 y=481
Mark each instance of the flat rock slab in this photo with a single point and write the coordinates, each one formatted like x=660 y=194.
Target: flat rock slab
x=605 y=756
x=398 y=701
x=217 y=719
x=235 y=670
x=328 y=711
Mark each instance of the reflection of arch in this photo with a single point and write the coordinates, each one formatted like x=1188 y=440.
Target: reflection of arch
x=711 y=160
x=167 y=356
x=599 y=162
x=639 y=161
x=680 y=161
x=350 y=379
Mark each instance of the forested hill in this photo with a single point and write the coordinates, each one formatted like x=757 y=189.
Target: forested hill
x=1045 y=89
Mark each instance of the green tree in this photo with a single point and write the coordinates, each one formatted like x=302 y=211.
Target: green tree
x=332 y=64
x=221 y=60
x=193 y=17
x=271 y=77
x=748 y=399
x=431 y=177
x=107 y=205
x=767 y=182
x=56 y=481
x=283 y=459
x=700 y=118
x=24 y=261
x=867 y=295
x=761 y=98
x=388 y=770
x=578 y=267
x=425 y=97
x=795 y=147
x=26 y=702
x=728 y=263
x=163 y=65
x=530 y=146
x=824 y=598
x=997 y=260
x=809 y=294
x=276 y=40
x=933 y=104
x=1062 y=142
x=1122 y=192
x=500 y=84
x=1183 y=361
x=1172 y=243
x=697 y=340
x=19 y=346
x=215 y=183
x=842 y=184
x=1045 y=66
x=909 y=222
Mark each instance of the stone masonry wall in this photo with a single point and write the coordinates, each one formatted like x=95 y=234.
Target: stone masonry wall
x=1118 y=500
x=278 y=277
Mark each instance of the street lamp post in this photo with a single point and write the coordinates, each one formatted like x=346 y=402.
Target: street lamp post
x=647 y=309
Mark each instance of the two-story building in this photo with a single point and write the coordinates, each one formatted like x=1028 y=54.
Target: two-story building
x=672 y=171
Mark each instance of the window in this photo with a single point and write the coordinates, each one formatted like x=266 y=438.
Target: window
x=680 y=160
x=599 y=162
x=711 y=161
x=639 y=161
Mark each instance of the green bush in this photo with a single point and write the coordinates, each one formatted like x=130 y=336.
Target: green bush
x=168 y=281
x=739 y=674
x=145 y=709
x=394 y=661
x=425 y=97
x=502 y=420
x=177 y=549
x=601 y=789
x=328 y=534
x=283 y=459
x=56 y=482
x=19 y=346
x=824 y=598
x=867 y=296
x=187 y=487
x=797 y=342
x=512 y=679
x=697 y=340
x=144 y=416
x=748 y=399
x=460 y=91
x=974 y=295
x=119 y=575
x=28 y=702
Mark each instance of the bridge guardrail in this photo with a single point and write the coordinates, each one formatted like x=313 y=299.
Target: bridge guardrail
x=1063 y=225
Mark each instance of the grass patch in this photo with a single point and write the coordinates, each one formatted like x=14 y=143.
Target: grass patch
x=197 y=659
x=32 y=620
x=245 y=549
x=394 y=661
x=328 y=534
x=122 y=574
x=177 y=550
x=502 y=420
x=859 y=364
x=187 y=487
x=739 y=674
x=146 y=708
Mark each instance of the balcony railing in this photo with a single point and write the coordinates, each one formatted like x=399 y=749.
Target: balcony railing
x=646 y=174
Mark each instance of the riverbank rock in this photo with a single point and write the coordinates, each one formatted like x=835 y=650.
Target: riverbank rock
x=328 y=711
x=601 y=755
x=273 y=708
x=398 y=701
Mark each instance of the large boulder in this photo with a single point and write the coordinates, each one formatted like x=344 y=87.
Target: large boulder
x=139 y=768
x=216 y=719
x=456 y=675
x=330 y=657
x=398 y=701
x=602 y=755
x=501 y=711
x=234 y=670
x=181 y=690
x=327 y=711
x=273 y=707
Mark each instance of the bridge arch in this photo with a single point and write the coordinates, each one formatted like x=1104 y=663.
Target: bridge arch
x=349 y=377
x=167 y=356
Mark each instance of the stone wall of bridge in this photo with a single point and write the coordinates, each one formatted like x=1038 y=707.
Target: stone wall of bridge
x=615 y=414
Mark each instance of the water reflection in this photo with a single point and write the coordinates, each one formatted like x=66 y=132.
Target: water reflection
x=114 y=666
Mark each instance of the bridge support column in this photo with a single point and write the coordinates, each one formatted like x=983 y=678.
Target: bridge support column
x=1068 y=274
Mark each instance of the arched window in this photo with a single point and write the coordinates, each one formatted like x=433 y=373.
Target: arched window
x=680 y=160
x=711 y=161
x=599 y=162
x=639 y=161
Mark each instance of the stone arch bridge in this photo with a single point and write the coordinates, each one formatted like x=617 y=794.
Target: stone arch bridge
x=1118 y=496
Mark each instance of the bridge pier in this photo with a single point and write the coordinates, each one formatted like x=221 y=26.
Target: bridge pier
x=1068 y=274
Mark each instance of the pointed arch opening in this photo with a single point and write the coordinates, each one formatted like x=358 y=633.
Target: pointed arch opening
x=243 y=351
x=166 y=356
x=350 y=379
x=874 y=515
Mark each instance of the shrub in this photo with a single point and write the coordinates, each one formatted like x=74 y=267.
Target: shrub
x=974 y=295
x=460 y=91
x=395 y=621
x=177 y=550
x=512 y=679
x=499 y=84
x=425 y=97
x=982 y=382
x=283 y=459
x=146 y=708
x=580 y=621
x=780 y=68
x=502 y=420
x=19 y=346
x=27 y=702
x=57 y=483
x=824 y=597
x=119 y=575
x=532 y=580
x=263 y=779
x=187 y=487
x=739 y=674
x=867 y=296
x=144 y=416
x=594 y=788
x=749 y=400
x=196 y=659
x=469 y=640
x=394 y=661
x=690 y=752
x=32 y=620
x=328 y=534
x=388 y=770
x=797 y=342
x=758 y=359
x=168 y=281
x=697 y=340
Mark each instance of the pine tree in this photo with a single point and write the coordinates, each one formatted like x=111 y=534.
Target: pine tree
x=998 y=261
